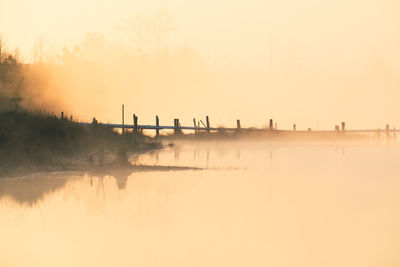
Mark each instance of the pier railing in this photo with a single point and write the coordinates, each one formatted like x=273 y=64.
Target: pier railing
x=200 y=126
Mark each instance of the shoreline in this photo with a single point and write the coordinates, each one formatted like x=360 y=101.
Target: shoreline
x=104 y=171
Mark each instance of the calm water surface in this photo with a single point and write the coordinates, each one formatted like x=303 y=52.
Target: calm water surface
x=256 y=204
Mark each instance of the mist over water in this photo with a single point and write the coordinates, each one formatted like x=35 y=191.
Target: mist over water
x=265 y=198
x=256 y=204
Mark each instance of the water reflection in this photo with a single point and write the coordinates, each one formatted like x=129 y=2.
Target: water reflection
x=30 y=190
x=283 y=206
x=120 y=176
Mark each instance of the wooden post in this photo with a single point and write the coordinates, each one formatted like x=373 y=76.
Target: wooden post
x=343 y=126
x=175 y=126
x=294 y=127
x=194 y=123
x=62 y=115
x=177 y=129
x=208 y=124
x=123 y=122
x=387 y=131
x=238 y=124
x=135 y=123
x=271 y=124
x=309 y=130
x=157 y=124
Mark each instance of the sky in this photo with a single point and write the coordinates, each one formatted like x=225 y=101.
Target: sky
x=311 y=34
x=309 y=38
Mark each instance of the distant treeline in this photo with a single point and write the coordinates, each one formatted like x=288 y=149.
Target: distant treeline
x=11 y=81
x=81 y=79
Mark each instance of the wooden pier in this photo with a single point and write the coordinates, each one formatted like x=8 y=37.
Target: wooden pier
x=206 y=128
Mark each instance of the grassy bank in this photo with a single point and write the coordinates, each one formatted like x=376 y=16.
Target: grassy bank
x=36 y=141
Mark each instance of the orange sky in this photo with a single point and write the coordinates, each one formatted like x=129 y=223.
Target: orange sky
x=316 y=34
x=294 y=41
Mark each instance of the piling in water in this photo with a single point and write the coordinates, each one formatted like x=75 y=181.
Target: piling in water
x=208 y=124
x=123 y=119
x=135 y=123
x=157 y=124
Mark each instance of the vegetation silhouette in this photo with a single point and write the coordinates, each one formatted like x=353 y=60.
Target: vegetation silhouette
x=34 y=141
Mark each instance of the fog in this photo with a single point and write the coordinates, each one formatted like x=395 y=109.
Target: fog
x=261 y=199
x=314 y=63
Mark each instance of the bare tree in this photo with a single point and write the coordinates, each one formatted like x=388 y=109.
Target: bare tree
x=17 y=54
x=39 y=50
x=162 y=27
x=139 y=29
x=94 y=45
x=2 y=45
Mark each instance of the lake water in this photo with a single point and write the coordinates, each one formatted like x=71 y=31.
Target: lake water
x=255 y=204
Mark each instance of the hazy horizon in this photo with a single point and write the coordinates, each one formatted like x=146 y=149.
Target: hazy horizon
x=309 y=63
x=86 y=194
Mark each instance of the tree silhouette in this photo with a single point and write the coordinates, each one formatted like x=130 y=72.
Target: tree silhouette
x=139 y=29
x=39 y=50
x=1 y=49
x=94 y=45
x=162 y=27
